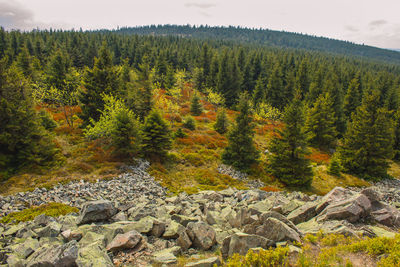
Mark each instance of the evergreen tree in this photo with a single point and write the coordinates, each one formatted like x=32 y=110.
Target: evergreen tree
x=189 y=123
x=275 y=88
x=287 y=160
x=241 y=152
x=102 y=79
x=24 y=62
x=23 y=139
x=334 y=167
x=259 y=92
x=156 y=139
x=353 y=98
x=195 y=107
x=368 y=142
x=222 y=123
x=396 y=145
x=320 y=123
x=56 y=71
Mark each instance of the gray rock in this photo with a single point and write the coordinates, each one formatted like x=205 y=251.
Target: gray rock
x=158 y=228
x=93 y=256
x=51 y=230
x=277 y=231
x=173 y=229
x=303 y=213
x=202 y=235
x=210 y=262
x=240 y=243
x=351 y=209
x=57 y=256
x=128 y=240
x=95 y=211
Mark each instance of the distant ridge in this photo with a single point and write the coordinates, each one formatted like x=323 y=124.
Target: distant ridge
x=267 y=37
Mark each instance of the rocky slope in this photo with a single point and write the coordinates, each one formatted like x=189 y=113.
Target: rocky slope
x=129 y=221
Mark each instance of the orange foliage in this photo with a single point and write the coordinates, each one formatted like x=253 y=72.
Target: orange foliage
x=269 y=188
x=319 y=157
x=100 y=153
x=184 y=111
x=65 y=129
x=173 y=117
x=269 y=127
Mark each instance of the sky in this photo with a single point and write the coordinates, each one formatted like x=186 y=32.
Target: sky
x=370 y=22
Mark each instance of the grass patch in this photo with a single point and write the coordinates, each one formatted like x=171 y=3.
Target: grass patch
x=50 y=209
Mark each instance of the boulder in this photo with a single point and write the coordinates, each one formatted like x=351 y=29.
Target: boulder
x=128 y=240
x=210 y=262
x=328 y=227
x=182 y=219
x=158 y=228
x=184 y=240
x=25 y=249
x=280 y=217
x=172 y=230
x=240 y=243
x=335 y=195
x=93 y=238
x=372 y=194
x=202 y=235
x=303 y=213
x=351 y=209
x=69 y=235
x=275 y=230
x=95 y=211
x=93 y=256
x=43 y=220
x=63 y=256
x=51 y=230
x=166 y=256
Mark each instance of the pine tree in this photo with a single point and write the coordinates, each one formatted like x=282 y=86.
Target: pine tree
x=156 y=140
x=275 y=88
x=221 y=125
x=352 y=99
x=189 y=123
x=102 y=79
x=23 y=139
x=287 y=160
x=259 y=92
x=241 y=152
x=320 y=123
x=368 y=142
x=334 y=167
x=396 y=145
x=196 y=108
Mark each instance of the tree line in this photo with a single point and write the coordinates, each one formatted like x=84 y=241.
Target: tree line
x=334 y=103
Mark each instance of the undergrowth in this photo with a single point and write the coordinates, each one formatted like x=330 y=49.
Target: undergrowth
x=50 y=209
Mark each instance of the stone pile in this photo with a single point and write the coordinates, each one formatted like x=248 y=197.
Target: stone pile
x=157 y=230
x=127 y=187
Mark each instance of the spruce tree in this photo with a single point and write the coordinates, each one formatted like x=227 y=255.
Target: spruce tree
x=241 y=152
x=320 y=123
x=156 y=140
x=368 y=142
x=196 y=108
x=189 y=123
x=352 y=99
x=288 y=148
x=23 y=139
x=102 y=79
x=221 y=125
x=396 y=145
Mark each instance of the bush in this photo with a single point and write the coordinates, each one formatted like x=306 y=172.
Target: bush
x=196 y=108
x=221 y=125
x=180 y=134
x=189 y=123
x=155 y=136
x=117 y=125
x=47 y=121
x=334 y=166
x=265 y=258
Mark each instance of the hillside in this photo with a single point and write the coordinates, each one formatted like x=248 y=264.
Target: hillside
x=265 y=37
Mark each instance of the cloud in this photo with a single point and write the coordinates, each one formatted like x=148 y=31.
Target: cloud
x=200 y=5
x=14 y=16
x=377 y=23
x=351 y=28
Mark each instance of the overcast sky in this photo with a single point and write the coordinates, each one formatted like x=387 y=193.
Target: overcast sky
x=373 y=22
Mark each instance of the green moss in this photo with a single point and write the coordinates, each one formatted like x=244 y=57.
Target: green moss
x=50 y=209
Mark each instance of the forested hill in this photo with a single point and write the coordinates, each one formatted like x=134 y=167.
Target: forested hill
x=269 y=38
